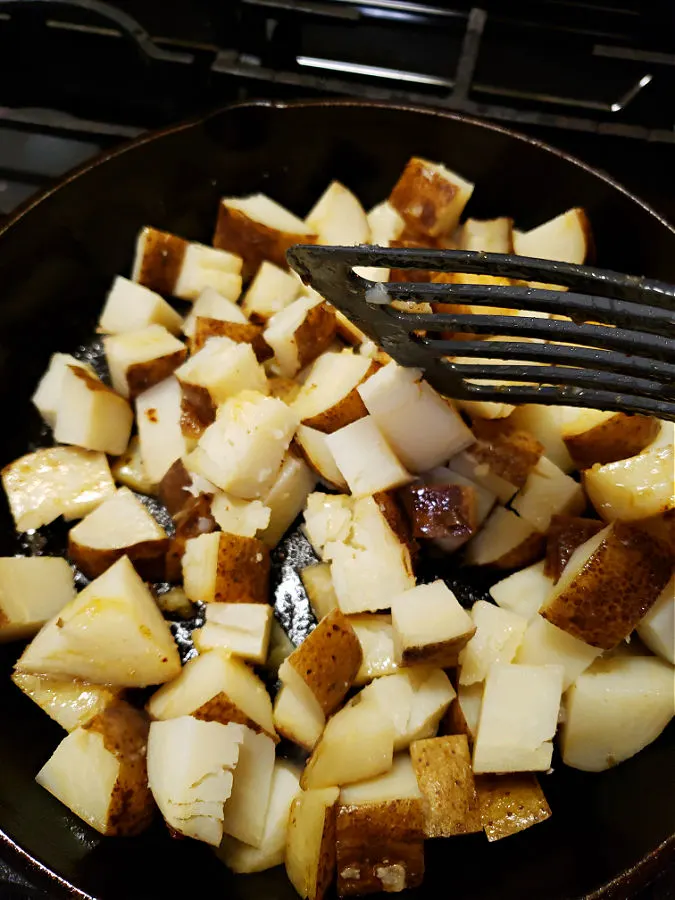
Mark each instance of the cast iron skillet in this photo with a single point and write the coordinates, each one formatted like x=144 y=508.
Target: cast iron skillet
x=609 y=833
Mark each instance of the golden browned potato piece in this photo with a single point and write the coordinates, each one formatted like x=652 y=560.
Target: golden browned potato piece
x=440 y=510
x=194 y=519
x=616 y=436
x=429 y=197
x=380 y=847
x=238 y=332
x=565 y=534
x=443 y=769
x=310 y=842
x=328 y=660
x=608 y=585
x=510 y=803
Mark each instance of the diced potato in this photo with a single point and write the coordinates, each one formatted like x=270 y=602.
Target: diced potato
x=120 y=526
x=190 y=765
x=69 y=702
x=229 y=568
x=338 y=218
x=244 y=449
x=518 y=719
x=280 y=647
x=506 y=542
x=244 y=859
x=510 y=803
x=443 y=513
x=546 y=423
x=326 y=662
x=328 y=518
x=329 y=399
x=604 y=437
x=53 y=482
x=205 y=329
x=385 y=224
x=314 y=447
x=430 y=198
x=298 y=718
x=138 y=360
x=212 y=305
x=422 y=428
x=128 y=469
x=192 y=521
x=464 y=712
x=216 y=687
x=524 y=592
x=487 y=235
x=310 y=842
x=220 y=370
x=430 y=626
x=242 y=629
x=608 y=585
x=287 y=497
x=548 y=492
x=99 y=772
x=47 y=396
x=91 y=415
x=158 y=418
x=32 y=590
x=130 y=306
x=657 y=628
x=634 y=489
x=364 y=458
x=376 y=636
x=299 y=333
x=564 y=535
x=616 y=708
x=544 y=644
x=498 y=635
x=111 y=633
x=480 y=469
x=258 y=229
x=484 y=499
x=246 y=809
x=566 y=238
x=242 y=517
x=443 y=769
x=271 y=290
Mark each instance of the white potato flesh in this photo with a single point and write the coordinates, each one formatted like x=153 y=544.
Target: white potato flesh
x=518 y=719
x=243 y=517
x=477 y=472
x=297 y=718
x=385 y=224
x=246 y=809
x=497 y=638
x=243 y=450
x=315 y=448
x=426 y=616
x=664 y=438
x=158 y=416
x=223 y=368
x=328 y=518
x=190 y=766
x=634 y=488
x=32 y=590
x=338 y=218
x=205 y=267
x=525 y=592
x=271 y=290
x=261 y=208
x=546 y=424
x=287 y=497
x=422 y=428
x=242 y=629
x=69 y=702
x=53 y=482
x=91 y=415
x=244 y=859
x=657 y=628
x=47 y=396
x=128 y=469
x=332 y=377
x=616 y=708
x=503 y=533
x=470 y=700
x=487 y=235
x=545 y=644
x=120 y=521
x=564 y=238
x=212 y=305
x=376 y=636
x=365 y=459
x=393 y=696
x=203 y=680
x=147 y=345
x=129 y=307
x=305 y=851
x=280 y=648
x=546 y=493
x=318 y=584
x=399 y=783
x=280 y=333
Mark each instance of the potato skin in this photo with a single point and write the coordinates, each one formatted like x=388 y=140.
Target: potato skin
x=144 y=375
x=147 y=557
x=163 y=256
x=328 y=660
x=441 y=655
x=617 y=438
x=243 y=572
x=198 y=410
x=421 y=196
x=171 y=489
x=397 y=520
x=194 y=519
x=440 y=511
x=315 y=333
x=511 y=455
x=565 y=534
x=616 y=587
x=510 y=803
x=221 y=709
x=443 y=769
x=238 y=332
x=526 y=553
x=348 y=409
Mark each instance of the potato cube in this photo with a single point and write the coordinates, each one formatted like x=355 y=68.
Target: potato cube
x=242 y=517
x=524 y=592
x=298 y=718
x=91 y=415
x=221 y=369
x=47 y=396
x=443 y=769
x=271 y=290
x=657 y=628
x=313 y=446
x=364 y=458
x=385 y=224
x=212 y=305
x=287 y=497
x=69 y=702
x=32 y=590
x=548 y=492
x=545 y=424
x=544 y=644
x=299 y=333
x=430 y=626
x=328 y=518
x=158 y=417
x=594 y=436
x=634 y=489
x=318 y=585
x=564 y=535
x=129 y=307
x=464 y=712
x=510 y=803
x=138 y=360
x=376 y=636
x=505 y=542
x=310 y=842
x=128 y=469
x=222 y=567
x=430 y=198
x=246 y=808
x=338 y=218
x=497 y=638
x=328 y=399
x=566 y=238
x=242 y=629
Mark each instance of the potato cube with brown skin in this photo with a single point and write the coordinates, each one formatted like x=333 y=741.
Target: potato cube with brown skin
x=248 y=333
x=270 y=291
x=298 y=718
x=657 y=628
x=244 y=449
x=190 y=765
x=485 y=469
x=566 y=238
x=430 y=626
x=328 y=518
x=213 y=306
x=314 y=449
x=548 y=492
x=130 y=306
x=496 y=640
x=505 y=542
x=243 y=517
x=326 y=662
x=518 y=719
x=47 y=396
x=91 y=415
x=443 y=512
x=110 y=633
x=99 y=772
x=443 y=769
x=222 y=567
x=287 y=497
x=376 y=636
x=246 y=808
x=329 y=399
x=128 y=469
x=69 y=702
x=32 y=590
x=192 y=521
x=510 y=803
x=365 y=459
x=634 y=489
x=544 y=644
x=605 y=437
x=608 y=585
x=385 y=224
x=158 y=418
x=220 y=370
x=524 y=592
x=242 y=629
x=464 y=712
x=53 y=482
x=258 y=229
x=564 y=535
x=120 y=526
x=430 y=198
x=616 y=708
x=338 y=218
x=180 y=488
x=310 y=842
x=545 y=424
x=138 y=360
x=216 y=687
x=299 y=333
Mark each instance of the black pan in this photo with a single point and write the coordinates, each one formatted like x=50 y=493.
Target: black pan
x=609 y=833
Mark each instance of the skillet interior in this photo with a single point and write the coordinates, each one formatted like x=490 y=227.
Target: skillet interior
x=56 y=262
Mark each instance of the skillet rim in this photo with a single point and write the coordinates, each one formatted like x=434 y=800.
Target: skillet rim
x=654 y=863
